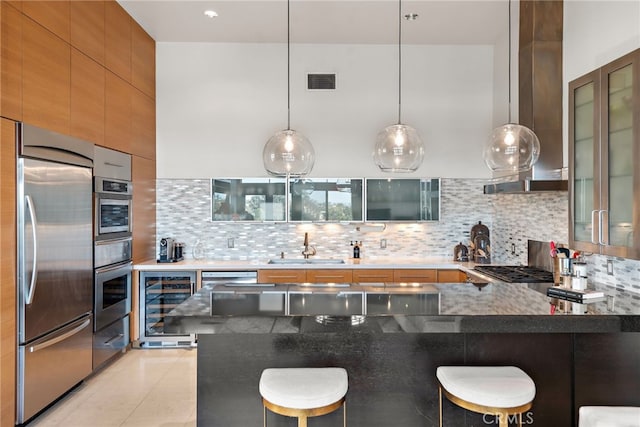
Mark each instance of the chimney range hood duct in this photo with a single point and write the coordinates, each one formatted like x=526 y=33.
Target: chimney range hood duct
x=540 y=97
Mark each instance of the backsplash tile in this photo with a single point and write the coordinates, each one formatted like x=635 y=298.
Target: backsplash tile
x=184 y=213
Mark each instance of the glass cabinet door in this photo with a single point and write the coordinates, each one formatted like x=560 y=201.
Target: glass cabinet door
x=619 y=151
x=584 y=137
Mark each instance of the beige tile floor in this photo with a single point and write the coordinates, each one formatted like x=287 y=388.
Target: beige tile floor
x=143 y=388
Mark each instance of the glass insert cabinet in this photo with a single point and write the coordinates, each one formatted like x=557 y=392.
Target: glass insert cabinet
x=325 y=199
x=604 y=154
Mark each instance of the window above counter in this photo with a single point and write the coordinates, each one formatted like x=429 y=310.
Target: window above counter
x=325 y=200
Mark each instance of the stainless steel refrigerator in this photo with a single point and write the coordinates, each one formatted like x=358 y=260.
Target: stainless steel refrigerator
x=55 y=266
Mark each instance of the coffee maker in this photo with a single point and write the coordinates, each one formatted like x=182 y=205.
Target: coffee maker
x=167 y=250
x=480 y=244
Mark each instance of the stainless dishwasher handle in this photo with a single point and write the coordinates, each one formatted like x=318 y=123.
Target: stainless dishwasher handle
x=34 y=269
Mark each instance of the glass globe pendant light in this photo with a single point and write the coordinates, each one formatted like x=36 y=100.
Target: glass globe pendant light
x=511 y=147
x=399 y=147
x=288 y=152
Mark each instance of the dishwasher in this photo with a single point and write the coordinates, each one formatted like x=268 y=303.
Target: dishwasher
x=229 y=278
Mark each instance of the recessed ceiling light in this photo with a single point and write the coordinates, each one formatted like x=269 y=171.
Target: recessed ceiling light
x=211 y=13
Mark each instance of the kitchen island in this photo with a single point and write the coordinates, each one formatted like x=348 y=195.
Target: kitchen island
x=575 y=360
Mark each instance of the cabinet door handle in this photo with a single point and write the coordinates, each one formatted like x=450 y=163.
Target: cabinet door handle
x=601 y=238
x=593 y=227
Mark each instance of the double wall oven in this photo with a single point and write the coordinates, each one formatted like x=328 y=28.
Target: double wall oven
x=112 y=254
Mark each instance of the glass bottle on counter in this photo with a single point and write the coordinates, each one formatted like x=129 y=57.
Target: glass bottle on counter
x=199 y=251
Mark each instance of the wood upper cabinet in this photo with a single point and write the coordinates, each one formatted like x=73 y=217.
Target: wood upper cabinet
x=451 y=276
x=45 y=78
x=143 y=125
x=143 y=61
x=329 y=276
x=87 y=28
x=118 y=112
x=10 y=62
x=415 y=275
x=282 y=276
x=373 y=275
x=117 y=40
x=143 y=174
x=87 y=98
x=52 y=15
x=604 y=153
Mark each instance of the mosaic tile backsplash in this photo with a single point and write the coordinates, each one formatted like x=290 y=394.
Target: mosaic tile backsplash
x=184 y=213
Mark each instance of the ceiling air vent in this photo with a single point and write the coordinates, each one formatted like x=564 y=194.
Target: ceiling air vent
x=317 y=81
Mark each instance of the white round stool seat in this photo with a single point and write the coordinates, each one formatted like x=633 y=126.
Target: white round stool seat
x=493 y=386
x=609 y=416
x=303 y=388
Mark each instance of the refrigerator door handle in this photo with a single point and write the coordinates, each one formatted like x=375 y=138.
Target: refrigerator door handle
x=59 y=338
x=34 y=270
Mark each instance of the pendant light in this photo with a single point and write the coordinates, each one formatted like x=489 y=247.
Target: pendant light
x=511 y=147
x=288 y=152
x=399 y=147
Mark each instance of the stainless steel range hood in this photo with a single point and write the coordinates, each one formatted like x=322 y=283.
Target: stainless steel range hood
x=540 y=98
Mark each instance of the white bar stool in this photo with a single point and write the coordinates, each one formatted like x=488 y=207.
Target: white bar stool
x=609 y=416
x=495 y=390
x=303 y=392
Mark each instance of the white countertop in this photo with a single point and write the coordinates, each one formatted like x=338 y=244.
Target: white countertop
x=362 y=263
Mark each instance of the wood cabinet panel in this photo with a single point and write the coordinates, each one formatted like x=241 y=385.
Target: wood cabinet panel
x=7 y=272
x=117 y=118
x=143 y=125
x=415 y=275
x=143 y=61
x=143 y=172
x=10 y=62
x=282 y=276
x=329 y=276
x=87 y=28
x=87 y=98
x=45 y=78
x=117 y=40
x=373 y=275
x=52 y=15
x=451 y=276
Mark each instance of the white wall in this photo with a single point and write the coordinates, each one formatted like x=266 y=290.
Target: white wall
x=595 y=33
x=217 y=104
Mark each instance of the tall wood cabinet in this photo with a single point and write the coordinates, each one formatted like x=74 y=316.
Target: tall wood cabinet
x=83 y=68
x=604 y=154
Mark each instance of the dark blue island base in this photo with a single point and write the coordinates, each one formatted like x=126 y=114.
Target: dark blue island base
x=392 y=375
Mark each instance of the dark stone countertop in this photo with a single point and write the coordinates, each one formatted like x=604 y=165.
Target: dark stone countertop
x=463 y=307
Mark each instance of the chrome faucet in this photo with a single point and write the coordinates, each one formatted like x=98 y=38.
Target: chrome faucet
x=308 y=250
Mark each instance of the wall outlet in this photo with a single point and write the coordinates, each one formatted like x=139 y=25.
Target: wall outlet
x=610 y=267
x=383 y=243
x=230 y=243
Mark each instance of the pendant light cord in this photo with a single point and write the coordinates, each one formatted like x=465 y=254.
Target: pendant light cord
x=399 y=61
x=509 y=57
x=288 y=68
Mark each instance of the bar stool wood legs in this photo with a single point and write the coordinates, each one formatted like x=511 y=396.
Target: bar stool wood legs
x=502 y=391
x=303 y=392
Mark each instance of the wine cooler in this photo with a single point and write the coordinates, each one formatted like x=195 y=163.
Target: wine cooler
x=161 y=292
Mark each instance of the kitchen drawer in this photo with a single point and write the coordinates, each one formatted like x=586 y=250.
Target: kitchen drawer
x=282 y=276
x=109 y=341
x=451 y=276
x=326 y=303
x=415 y=275
x=248 y=303
x=329 y=276
x=373 y=275
x=388 y=303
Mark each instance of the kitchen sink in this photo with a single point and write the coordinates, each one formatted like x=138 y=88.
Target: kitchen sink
x=306 y=261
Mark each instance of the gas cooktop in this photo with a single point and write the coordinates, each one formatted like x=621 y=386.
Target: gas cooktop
x=516 y=273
